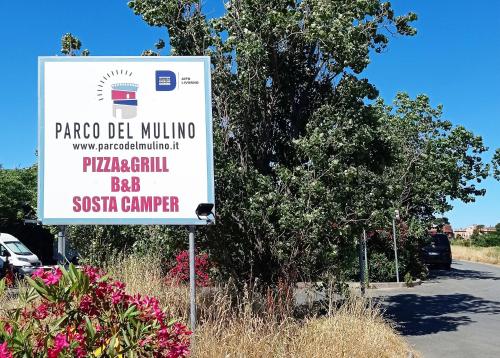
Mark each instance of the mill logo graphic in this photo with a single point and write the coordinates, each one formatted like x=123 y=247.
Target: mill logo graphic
x=123 y=93
x=124 y=100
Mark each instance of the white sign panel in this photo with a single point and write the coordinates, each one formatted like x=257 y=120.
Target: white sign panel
x=124 y=140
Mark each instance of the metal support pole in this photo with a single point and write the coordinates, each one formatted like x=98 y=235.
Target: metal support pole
x=367 y=276
x=61 y=245
x=361 y=268
x=395 y=248
x=192 y=279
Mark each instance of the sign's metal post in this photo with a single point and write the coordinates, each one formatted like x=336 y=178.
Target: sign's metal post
x=61 y=245
x=361 y=268
x=367 y=276
x=395 y=248
x=192 y=278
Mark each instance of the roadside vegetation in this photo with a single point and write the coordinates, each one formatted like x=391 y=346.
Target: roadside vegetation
x=135 y=307
x=264 y=323
x=489 y=255
x=480 y=247
x=251 y=325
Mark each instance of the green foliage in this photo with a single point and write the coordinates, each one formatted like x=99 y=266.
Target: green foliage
x=435 y=162
x=485 y=240
x=496 y=164
x=81 y=313
x=98 y=245
x=381 y=267
x=302 y=162
x=297 y=152
x=70 y=46
x=408 y=280
x=17 y=194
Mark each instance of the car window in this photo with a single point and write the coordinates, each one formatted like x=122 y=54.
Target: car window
x=440 y=240
x=18 y=248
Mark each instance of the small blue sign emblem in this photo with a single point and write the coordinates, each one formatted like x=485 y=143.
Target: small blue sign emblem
x=165 y=81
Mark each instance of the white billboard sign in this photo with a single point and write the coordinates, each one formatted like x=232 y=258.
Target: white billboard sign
x=124 y=140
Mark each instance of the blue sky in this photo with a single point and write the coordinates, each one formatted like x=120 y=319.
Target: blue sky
x=455 y=59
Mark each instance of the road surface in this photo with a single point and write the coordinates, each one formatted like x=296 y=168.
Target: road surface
x=453 y=314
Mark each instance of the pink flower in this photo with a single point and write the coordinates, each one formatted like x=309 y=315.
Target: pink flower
x=93 y=273
x=87 y=305
x=119 y=285
x=135 y=300
x=102 y=289
x=60 y=343
x=48 y=277
x=8 y=328
x=52 y=352
x=4 y=351
x=52 y=278
x=80 y=352
x=180 y=272
x=38 y=273
x=117 y=297
x=41 y=311
x=39 y=344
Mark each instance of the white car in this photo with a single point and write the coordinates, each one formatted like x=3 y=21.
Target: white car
x=19 y=256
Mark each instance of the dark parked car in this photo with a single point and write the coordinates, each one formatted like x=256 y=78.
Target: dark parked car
x=438 y=251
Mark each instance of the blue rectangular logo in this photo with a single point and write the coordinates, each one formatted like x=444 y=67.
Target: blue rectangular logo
x=165 y=81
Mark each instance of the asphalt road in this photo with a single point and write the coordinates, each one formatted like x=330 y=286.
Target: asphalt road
x=454 y=313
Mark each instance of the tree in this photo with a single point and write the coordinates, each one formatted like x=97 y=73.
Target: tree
x=17 y=194
x=440 y=222
x=435 y=162
x=297 y=150
x=70 y=46
x=304 y=160
x=496 y=164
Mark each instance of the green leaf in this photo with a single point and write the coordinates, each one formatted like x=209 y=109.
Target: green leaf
x=90 y=328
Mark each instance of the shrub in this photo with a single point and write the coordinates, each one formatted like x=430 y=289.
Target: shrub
x=180 y=272
x=408 y=280
x=381 y=268
x=486 y=240
x=77 y=313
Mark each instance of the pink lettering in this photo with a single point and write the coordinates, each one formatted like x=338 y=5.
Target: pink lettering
x=86 y=162
x=115 y=184
x=76 y=204
x=174 y=204
x=135 y=184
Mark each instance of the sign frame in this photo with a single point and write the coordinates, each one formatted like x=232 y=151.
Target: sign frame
x=42 y=60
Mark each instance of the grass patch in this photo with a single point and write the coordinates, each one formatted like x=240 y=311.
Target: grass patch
x=262 y=325
x=490 y=255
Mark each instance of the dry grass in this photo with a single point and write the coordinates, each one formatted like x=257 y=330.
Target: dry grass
x=490 y=255
x=355 y=330
x=262 y=325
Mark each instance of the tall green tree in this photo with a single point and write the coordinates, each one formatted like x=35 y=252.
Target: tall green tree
x=17 y=194
x=434 y=161
x=304 y=160
x=496 y=164
x=297 y=150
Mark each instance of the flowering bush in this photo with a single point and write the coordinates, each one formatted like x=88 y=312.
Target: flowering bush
x=180 y=272
x=81 y=313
